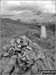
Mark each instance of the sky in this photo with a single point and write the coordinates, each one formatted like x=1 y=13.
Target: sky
x=13 y=7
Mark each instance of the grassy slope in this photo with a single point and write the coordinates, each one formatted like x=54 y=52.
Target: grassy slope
x=10 y=28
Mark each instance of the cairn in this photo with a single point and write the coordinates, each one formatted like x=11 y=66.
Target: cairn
x=22 y=56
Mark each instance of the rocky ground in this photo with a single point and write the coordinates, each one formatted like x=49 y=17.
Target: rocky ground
x=22 y=56
x=23 y=52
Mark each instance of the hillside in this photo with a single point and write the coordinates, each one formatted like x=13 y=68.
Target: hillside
x=28 y=37
x=13 y=29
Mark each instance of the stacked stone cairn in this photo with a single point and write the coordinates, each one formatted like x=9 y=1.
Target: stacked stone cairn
x=22 y=56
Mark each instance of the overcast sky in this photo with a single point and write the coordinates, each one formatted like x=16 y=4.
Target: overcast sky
x=10 y=7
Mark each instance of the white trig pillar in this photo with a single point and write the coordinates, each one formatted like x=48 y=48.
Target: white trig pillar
x=43 y=32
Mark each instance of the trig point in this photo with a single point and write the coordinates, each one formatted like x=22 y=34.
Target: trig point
x=43 y=32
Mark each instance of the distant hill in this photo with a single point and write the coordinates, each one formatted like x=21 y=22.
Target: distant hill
x=38 y=18
x=30 y=17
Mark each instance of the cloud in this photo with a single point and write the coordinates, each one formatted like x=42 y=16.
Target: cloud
x=14 y=7
x=13 y=3
x=47 y=6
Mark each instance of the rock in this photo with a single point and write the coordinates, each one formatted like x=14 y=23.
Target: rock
x=23 y=37
x=32 y=45
x=30 y=62
x=11 y=52
x=34 y=69
x=25 y=53
x=18 y=41
x=5 y=48
x=28 y=47
x=14 y=56
x=37 y=46
x=25 y=43
x=12 y=42
x=28 y=57
x=41 y=55
x=23 y=58
x=21 y=65
x=19 y=56
x=19 y=46
x=6 y=55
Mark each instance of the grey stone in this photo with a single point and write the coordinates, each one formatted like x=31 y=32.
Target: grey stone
x=6 y=54
x=18 y=41
x=12 y=42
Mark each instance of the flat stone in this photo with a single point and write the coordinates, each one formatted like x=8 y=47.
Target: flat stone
x=6 y=54
x=23 y=37
x=14 y=56
x=19 y=46
x=28 y=47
